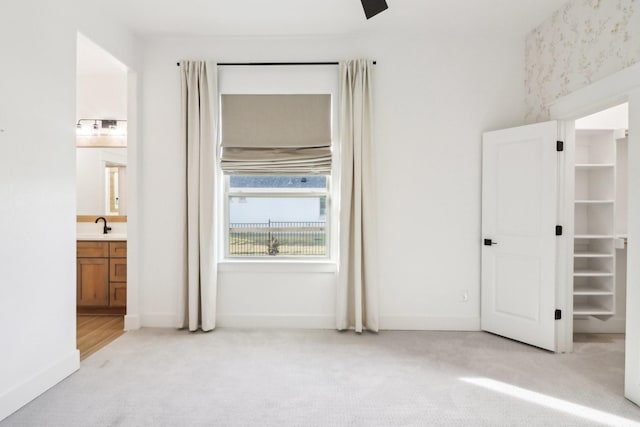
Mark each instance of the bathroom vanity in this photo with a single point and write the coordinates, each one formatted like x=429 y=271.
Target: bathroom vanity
x=101 y=274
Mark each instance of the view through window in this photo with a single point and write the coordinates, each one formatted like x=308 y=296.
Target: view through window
x=277 y=215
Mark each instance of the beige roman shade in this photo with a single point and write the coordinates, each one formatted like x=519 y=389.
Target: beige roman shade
x=283 y=134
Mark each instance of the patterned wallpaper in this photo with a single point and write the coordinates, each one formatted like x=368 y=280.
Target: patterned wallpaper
x=580 y=43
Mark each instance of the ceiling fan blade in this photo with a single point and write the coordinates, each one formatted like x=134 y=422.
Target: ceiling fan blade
x=373 y=7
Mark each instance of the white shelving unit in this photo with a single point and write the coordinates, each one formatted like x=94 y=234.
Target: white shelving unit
x=594 y=262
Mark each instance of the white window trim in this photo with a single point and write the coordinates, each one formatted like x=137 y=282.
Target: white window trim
x=276 y=265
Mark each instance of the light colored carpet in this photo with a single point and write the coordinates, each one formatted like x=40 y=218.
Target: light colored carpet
x=156 y=377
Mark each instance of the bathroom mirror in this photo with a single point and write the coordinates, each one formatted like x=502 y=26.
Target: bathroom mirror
x=101 y=181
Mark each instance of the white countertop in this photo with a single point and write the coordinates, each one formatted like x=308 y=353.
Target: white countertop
x=95 y=236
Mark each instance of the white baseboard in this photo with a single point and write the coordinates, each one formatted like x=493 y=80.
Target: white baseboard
x=328 y=321
x=158 y=320
x=406 y=323
x=615 y=325
x=248 y=321
x=132 y=322
x=266 y=321
x=18 y=396
x=428 y=323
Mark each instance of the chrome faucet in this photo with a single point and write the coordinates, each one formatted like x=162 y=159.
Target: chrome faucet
x=105 y=229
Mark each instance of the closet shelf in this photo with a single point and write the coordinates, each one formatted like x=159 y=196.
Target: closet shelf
x=591 y=290
x=592 y=255
x=594 y=165
x=591 y=273
x=582 y=309
x=594 y=202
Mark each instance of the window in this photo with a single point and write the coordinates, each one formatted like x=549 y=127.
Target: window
x=112 y=190
x=277 y=159
x=271 y=215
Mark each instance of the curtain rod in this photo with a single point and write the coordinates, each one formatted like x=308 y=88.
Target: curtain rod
x=227 y=64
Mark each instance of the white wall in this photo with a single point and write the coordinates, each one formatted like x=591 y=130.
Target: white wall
x=37 y=172
x=38 y=193
x=102 y=96
x=434 y=98
x=616 y=117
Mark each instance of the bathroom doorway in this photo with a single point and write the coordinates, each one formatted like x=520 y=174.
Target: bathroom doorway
x=103 y=197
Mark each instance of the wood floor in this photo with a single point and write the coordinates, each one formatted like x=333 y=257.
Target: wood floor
x=94 y=332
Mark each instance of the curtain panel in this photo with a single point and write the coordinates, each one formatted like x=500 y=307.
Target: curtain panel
x=357 y=288
x=199 y=130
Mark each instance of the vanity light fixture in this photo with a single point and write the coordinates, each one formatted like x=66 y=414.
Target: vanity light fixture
x=101 y=127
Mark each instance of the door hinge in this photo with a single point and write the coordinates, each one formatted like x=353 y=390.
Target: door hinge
x=559 y=145
x=558 y=230
x=558 y=315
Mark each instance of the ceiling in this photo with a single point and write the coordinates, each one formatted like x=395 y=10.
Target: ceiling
x=233 y=18
x=286 y=18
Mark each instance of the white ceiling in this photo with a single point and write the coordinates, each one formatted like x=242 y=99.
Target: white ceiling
x=329 y=17
x=242 y=18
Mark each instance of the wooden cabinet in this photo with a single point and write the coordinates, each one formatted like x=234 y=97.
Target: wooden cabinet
x=101 y=276
x=118 y=270
x=117 y=294
x=93 y=282
x=92 y=249
x=118 y=249
x=118 y=274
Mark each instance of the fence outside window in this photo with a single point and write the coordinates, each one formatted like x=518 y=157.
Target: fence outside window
x=275 y=238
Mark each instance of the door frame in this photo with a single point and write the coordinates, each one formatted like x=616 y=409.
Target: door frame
x=618 y=88
x=134 y=94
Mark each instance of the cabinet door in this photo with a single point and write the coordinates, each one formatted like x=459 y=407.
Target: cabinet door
x=93 y=282
x=117 y=294
x=118 y=249
x=90 y=249
x=118 y=270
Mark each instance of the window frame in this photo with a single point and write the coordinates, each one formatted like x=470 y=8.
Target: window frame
x=282 y=79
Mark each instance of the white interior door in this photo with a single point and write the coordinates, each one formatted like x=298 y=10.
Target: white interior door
x=519 y=218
